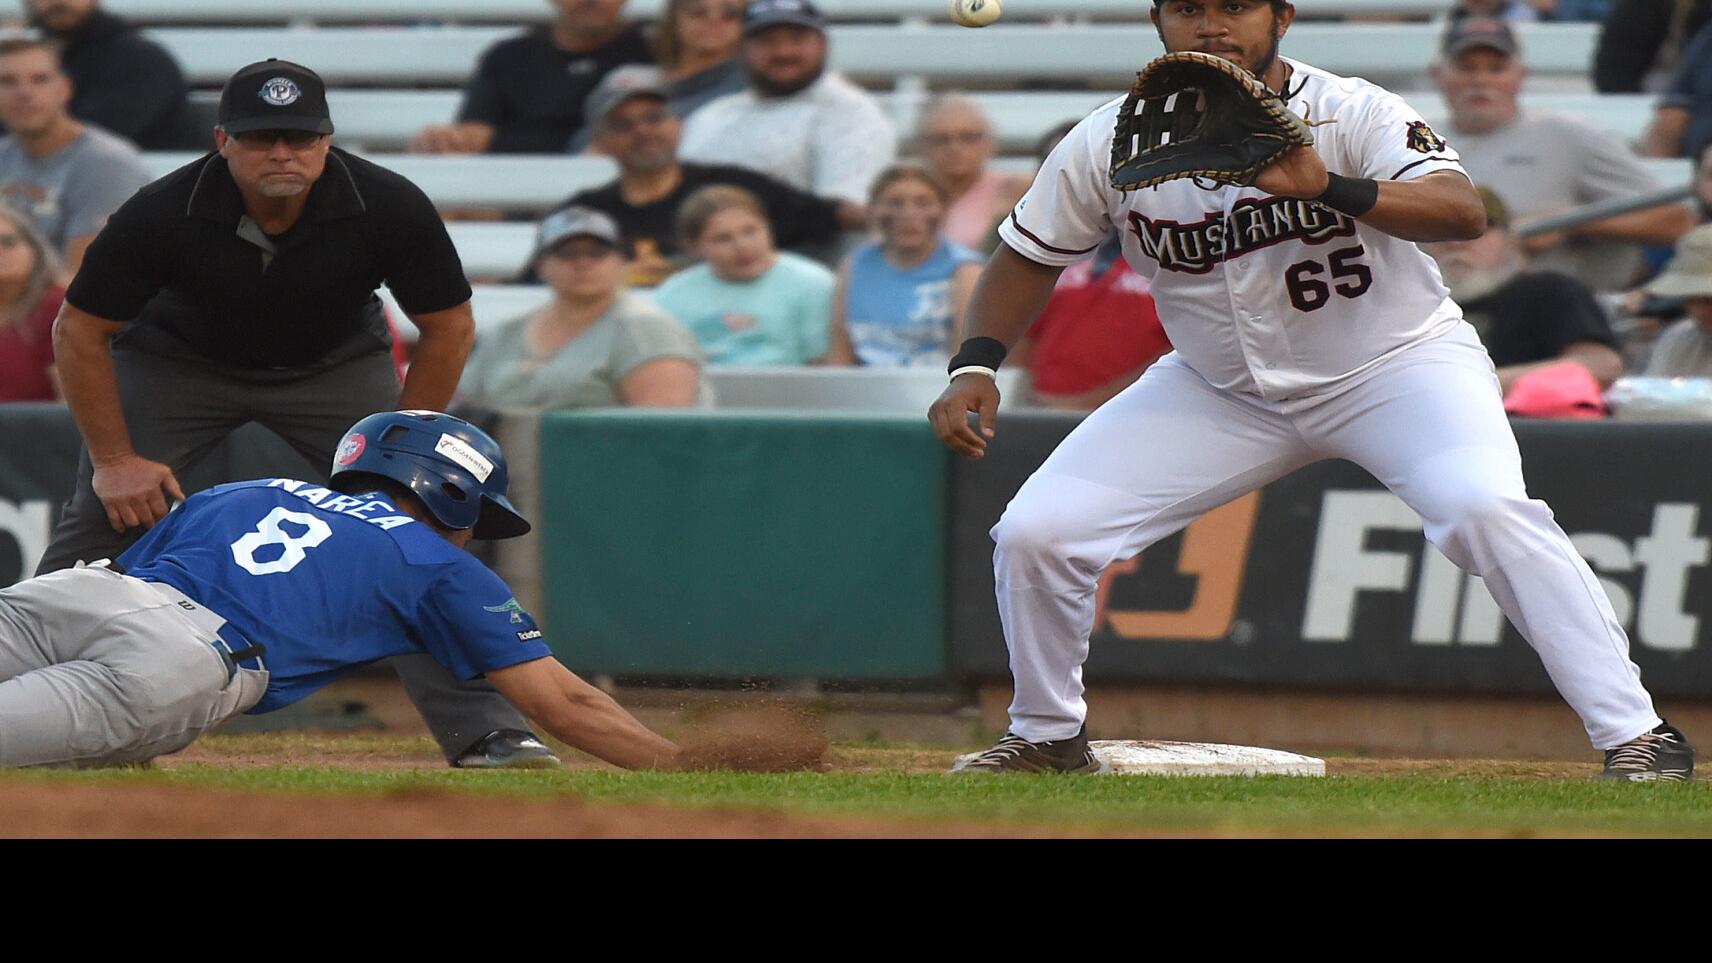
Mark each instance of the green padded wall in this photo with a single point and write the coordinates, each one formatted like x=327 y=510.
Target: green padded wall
x=756 y=544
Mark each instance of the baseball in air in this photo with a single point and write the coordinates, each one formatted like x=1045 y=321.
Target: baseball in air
x=975 y=13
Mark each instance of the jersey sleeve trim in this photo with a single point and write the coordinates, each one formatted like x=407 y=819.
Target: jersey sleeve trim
x=1067 y=252
x=1427 y=160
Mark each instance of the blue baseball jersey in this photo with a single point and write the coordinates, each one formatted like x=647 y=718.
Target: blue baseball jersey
x=329 y=582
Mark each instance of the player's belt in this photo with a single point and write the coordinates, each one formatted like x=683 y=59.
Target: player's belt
x=236 y=654
x=232 y=646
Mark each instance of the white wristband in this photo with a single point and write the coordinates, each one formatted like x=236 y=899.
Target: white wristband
x=975 y=369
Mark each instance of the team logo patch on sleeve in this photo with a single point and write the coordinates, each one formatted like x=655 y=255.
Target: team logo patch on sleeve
x=1423 y=138
x=510 y=605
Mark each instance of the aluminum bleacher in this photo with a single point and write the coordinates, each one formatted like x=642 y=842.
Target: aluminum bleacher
x=532 y=182
x=387 y=119
x=1396 y=54
x=538 y=11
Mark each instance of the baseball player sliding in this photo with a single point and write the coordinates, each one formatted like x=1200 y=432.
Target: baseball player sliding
x=252 y=595
x=1307 y=325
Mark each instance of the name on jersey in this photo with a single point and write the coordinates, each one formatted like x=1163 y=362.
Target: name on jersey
x=371 y=510
x=1254 y=223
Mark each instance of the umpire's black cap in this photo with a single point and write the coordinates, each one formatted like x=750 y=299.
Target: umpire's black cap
x=275 y=95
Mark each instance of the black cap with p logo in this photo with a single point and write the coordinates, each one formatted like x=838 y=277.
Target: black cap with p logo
x=275 y=95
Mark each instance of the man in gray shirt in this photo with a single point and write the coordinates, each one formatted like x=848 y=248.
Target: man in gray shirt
x=1544 y=164
x=66 y=176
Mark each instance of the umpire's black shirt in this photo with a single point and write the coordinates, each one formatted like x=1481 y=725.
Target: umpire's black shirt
x=195 y=277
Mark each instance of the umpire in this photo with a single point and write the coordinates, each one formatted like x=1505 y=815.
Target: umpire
x=241 y=288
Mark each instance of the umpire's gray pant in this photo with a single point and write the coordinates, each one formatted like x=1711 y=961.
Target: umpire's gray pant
x=179 y=411
x=97 y=669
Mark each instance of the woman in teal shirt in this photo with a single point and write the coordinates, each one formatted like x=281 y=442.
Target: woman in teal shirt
x=748 y=303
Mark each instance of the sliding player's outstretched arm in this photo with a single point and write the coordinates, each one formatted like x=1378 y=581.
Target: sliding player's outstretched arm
x=581 y=715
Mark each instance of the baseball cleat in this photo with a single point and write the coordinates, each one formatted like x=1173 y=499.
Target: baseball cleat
x=507 y=749
x=1662 y=755
x=1016 y=754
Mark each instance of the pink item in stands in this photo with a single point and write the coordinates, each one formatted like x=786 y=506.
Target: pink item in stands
x=1564 y=390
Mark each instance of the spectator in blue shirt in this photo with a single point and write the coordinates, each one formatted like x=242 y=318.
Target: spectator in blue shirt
x=902 y=299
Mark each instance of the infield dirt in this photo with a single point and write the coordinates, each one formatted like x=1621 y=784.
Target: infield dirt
x=394 y=784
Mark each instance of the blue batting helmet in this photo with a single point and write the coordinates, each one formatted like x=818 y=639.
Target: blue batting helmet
x=455 y=468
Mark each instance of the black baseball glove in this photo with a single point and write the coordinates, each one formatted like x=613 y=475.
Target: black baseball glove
x=1196 y=115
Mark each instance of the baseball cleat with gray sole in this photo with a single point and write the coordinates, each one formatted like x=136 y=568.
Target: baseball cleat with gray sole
x=1016 y=754
x=1662 y=755
x=507 y=749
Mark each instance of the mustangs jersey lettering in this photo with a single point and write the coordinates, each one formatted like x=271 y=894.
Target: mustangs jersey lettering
x=1272 y=296
x=329 y=582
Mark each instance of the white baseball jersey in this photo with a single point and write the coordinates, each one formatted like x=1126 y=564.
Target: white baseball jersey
x=1272 y=296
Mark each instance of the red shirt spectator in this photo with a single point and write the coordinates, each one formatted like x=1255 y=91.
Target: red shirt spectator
x=26 y=351
x=30 y=296
x=1097 y=334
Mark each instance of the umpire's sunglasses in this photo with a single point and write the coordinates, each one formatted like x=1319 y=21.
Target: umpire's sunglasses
x=261 y=139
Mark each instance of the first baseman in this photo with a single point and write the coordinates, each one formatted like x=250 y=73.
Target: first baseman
x=1308 y=325
x=250 y=596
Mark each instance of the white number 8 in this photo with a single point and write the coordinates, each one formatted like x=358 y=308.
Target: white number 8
x=291 y=546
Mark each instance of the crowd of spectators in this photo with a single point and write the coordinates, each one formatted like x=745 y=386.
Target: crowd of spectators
x=636 y=124
x=761 y=216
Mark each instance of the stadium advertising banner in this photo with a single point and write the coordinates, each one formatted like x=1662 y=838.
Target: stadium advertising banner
x=1325 y=579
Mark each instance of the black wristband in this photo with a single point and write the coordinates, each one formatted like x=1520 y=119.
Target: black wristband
x=984 y=352
x=1354 y=196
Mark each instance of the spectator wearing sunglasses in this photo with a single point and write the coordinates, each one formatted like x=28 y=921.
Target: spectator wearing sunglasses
x=241 y=288
x=67 y=177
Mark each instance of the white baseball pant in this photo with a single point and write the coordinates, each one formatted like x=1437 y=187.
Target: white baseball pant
x=1428 y=423
x=98 y=669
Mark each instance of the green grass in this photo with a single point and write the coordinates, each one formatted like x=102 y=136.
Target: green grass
x=1338 y=805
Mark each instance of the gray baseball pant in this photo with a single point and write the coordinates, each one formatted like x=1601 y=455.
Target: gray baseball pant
x=97 y=669
x=178 y=412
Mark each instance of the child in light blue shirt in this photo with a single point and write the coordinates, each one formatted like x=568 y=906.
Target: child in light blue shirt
x=747 y=302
